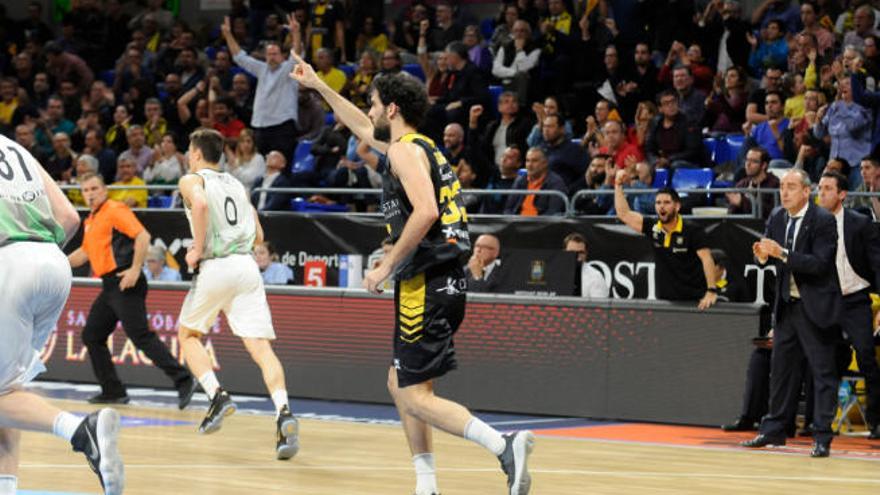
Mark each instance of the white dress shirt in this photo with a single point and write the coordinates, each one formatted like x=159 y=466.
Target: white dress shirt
x=795 y=293
x=850 y=281
x=593 y=284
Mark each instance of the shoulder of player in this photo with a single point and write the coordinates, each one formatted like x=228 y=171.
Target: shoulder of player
x=189 y=180
x=400 y=153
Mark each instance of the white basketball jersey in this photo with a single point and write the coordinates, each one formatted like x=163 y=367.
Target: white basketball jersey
x=231 y=226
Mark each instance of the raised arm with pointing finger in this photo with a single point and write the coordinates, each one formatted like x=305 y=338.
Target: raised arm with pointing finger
x=344 y=110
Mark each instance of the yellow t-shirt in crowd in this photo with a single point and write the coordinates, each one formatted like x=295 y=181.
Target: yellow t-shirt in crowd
x=139 y=195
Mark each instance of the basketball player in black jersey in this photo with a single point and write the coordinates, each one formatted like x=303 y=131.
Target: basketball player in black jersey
x=428 y=223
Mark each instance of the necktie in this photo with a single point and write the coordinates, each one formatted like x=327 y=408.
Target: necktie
x=789 y=242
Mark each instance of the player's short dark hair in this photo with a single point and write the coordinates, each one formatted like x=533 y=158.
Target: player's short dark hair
x=842 y=181
x=671 y=192
x=405 y=91
x=209 y=142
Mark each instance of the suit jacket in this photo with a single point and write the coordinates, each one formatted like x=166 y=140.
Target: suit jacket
x=862 y=243
x=274 y=201
x=812 y=262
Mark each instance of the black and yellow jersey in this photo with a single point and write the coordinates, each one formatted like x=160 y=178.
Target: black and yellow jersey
x=448 y=238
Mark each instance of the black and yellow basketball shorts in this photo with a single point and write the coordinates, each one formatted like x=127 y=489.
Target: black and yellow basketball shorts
x=429 y=308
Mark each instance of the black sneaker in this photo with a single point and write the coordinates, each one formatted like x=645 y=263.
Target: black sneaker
x=103 y=398
x=96 y=437
x=185 y=392
x=514 y=461
x=221 y=406
x=288 y=435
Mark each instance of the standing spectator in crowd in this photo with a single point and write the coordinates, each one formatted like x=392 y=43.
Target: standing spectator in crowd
x=116 y=136
x=725 y=34
x=275 y=177
x=538 y=177
x=167 y=165
x=24 y=135
x=870 y=171
x=138 y=151
x=590 y=284
x=504 y=26
x=273 y=272
x=24 y=72
x=726 y=107
x=119 y=264
x=225 y=120
x=60 y=163
x=566 y=159
x=155 y=268
x=435 y=66
x=673 y=141
x=813 y=26
x=684 y=267
x=63 y=66
x=155 y=125
x=772 y=51
x=246 y=164
x=802 y=240
x=106 y=157
x=772 y=83
x=645 y=74
x=276 y=100
x=757 y=177
x=616 y=146
x=782 y=10
x=508 y=172
x=134 y=195
x=864 y=25
x=466 y=88
x=769 y=133
x=867 y=99
x=326 y=29
x=515 y=59
x=858 y=269
x=488 y=147
x=484 y=266
x=454 y=144
x=849 y=126
x=691 y=101
x=326 y=69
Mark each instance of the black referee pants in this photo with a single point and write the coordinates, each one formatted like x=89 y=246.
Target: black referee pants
x=112 y=306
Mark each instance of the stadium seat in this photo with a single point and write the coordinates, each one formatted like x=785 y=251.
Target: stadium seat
x=307 y=164
x=349 y=70
x=299 y=204
x=108 y=76
x=160 y=201
x=711 y=145
x=303 y=150
x=211 y=52
x=415 y=70
x=487 y=28
x=692 y=178
x=577 y=141
x=494 y=93
x=661 y=178
x=329 y=119
x=728 y=148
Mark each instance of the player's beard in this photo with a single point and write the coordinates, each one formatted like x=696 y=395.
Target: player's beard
x=382 y=130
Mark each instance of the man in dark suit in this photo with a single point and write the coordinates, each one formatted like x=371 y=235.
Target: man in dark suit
x=538 y=177
x=858 y=269
x=276 y=177
x=801 y=239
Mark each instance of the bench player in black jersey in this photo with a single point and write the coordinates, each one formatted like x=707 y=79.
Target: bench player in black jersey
x=428 y=223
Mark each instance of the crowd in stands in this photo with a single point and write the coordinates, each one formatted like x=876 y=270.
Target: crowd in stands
x=544 y=95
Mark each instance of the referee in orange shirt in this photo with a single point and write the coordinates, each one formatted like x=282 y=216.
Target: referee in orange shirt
x=115 y=244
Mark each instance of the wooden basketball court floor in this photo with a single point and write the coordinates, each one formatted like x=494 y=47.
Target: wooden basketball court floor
x=357 y=449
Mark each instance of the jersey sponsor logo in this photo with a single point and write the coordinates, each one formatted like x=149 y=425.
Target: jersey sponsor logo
x=454 y=286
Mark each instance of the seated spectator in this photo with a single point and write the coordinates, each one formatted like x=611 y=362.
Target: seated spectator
x=392 y=63
x=222 y=70
x=590 y=284
x=167 y=165
x=246 y=164
x=311 y=115
x=130 y=68
x=8 y=100
x=60 y=163
x=870 y=171
x=24 y=135
x=645 y=74
x=126 y=175
x=446 y=29
x=467 y=88
x=435 y=67
x=638 y=133
x=273 y=272
x=225 y=120
x=596 y=177
x=358 y=88
x=508 y=172
x=595 y=123
x=325 y=67
x=768 y=134
x=673 y=142
x=466 y=177
x=328 y=148
x=488 y=147
x=726 y=108
x=106 y=157
x=478 y=53
x=542 y=110
x=484 y=267
x=276 y=177
x=849 y=126
x=692 y=58
x=454 y=144
x=155 y=269
x=137 y=150
x=242 y=97
x=504 y=26
x=370 y=38
x=155 y=125
x=538 y=177
x=85 y=164
x=515 y=60
x=757 y=177
x=795 y=104
x=772 y=82
x=115 y=137
x=567 y=159
x=52 y=123
x=691 y=101
x=771 y=51
x=622 y=153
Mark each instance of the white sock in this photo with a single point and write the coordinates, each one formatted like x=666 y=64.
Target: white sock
x=8 y=484
x=483 y=434
x=279 y=398
x=209 y=383
x=426 y=479
x=65 y=425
